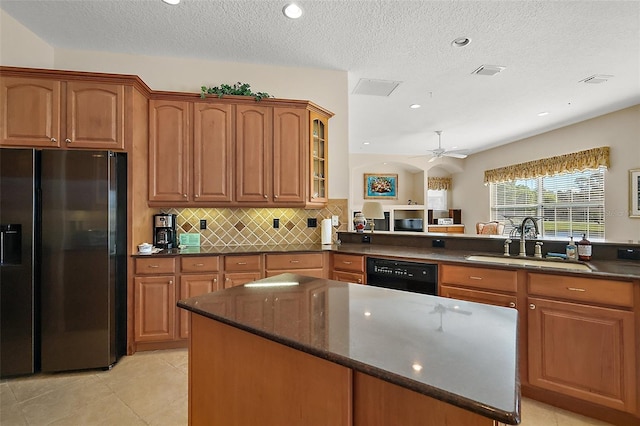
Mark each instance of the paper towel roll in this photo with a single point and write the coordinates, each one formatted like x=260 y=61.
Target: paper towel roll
x=327 y=231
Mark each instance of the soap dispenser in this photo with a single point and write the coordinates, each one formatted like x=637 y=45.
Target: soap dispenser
x=572 y=250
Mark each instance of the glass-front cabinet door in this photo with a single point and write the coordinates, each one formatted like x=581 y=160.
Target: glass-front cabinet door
x=319 y=164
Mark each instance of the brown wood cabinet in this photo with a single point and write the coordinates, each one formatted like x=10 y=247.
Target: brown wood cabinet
x=54 y=113
x=483 y=285
x=319 y=154
x=158 y=286
x=154 y=299
x=449 y=229
x=234 y=152
x=242 y=269
x=199 y=275
x=310 y=264
x=190 y=152
x=348 y=268
x=583 y=346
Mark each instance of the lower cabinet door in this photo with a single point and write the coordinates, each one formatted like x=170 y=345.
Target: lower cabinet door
x=583 y=351
x=192 y=285
x=155 y=307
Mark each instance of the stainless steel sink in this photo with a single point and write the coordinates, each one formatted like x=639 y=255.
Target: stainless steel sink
x=530 y=261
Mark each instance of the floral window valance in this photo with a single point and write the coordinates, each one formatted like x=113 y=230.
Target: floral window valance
x=582 y=160
x=439 y=183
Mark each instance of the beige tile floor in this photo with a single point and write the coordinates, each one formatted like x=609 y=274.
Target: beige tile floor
x=149 y=388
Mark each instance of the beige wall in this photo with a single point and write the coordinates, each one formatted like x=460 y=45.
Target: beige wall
x=326 y=88
x=19 y=47
x=619 y=130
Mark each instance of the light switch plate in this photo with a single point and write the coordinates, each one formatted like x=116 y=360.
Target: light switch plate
x=334 y=220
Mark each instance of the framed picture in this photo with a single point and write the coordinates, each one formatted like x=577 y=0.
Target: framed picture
x=381 y=186
x=634 y=193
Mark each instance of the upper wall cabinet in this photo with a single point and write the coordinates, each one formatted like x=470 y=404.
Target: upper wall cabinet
x=235 y=152
x=54 y=113
x=190 y=152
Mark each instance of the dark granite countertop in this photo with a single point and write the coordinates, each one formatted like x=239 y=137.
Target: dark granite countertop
x=459 y=352
x=615 y=269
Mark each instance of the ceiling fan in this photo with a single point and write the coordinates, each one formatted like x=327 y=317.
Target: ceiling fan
x=441 y=152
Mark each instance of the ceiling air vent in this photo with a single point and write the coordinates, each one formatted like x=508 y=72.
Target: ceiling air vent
x=596 y=79
x=368 y=86
x=488 y=70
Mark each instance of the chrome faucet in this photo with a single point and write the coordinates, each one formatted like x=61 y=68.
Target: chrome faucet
x=523 y=247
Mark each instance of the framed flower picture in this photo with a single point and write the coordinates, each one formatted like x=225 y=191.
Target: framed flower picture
x=381 y=186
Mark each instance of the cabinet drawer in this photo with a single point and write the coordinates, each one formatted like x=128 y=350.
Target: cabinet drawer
x=592 y=290
x=294 y=261
x=348 y=262
x=155 y=266
x=348 y=277
x=495 y=279
x=479 y=296
x=243 y=263
x=200 y=264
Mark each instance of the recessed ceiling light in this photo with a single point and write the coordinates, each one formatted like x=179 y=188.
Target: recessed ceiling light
x=543 y=113
x=366 y=143
x=171 y=2
x=461 y=42
x=292 y=11
x=415 y=106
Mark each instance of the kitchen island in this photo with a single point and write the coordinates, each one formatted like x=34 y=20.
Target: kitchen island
x=297 y=350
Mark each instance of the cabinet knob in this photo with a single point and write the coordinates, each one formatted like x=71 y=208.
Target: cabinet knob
x=512 y=304
x=54 y=140
x=265 y=196
x=67 y=140
x=184 y=195
x=359 y=280
x=532 y=306
x=197 y=195
x=170 y=282
x=275 y=196
x=215 y=280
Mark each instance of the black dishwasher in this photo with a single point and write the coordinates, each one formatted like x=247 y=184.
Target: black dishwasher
x=401 y=275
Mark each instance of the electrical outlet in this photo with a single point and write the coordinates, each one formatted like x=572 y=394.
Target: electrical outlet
x=366 y=239
x=203 y=223
x=312 y=222
x=437 y=243
x=276 y=223
x=334 y=220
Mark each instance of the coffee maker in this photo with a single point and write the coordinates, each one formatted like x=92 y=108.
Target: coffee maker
x=164 y=231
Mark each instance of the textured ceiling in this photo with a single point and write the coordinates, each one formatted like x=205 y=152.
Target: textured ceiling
x=546 y=46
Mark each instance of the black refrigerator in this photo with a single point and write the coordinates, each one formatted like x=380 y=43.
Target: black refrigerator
x=63 y=260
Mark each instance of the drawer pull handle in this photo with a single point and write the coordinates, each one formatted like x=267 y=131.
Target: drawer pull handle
x=346 y=262
x=475 y=278
x=294 y=261
x=198 y=264
x=241 y=263
x=512 y=304
x=575 y=289
x=153 y=266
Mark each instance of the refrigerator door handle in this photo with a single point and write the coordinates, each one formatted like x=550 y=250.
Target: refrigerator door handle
x=1 y=247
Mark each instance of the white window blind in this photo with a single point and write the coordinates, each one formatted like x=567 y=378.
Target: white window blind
x=566 y=204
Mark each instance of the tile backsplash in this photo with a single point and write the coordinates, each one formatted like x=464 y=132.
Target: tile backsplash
x=248 y=226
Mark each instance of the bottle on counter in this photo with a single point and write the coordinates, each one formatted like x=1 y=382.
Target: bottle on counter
x=572 y=250
x=584 y=248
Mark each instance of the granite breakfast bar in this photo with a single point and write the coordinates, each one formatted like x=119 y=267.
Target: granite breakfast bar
x=297 y=350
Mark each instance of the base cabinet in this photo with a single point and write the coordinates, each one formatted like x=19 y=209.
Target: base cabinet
x=583 y=351
x=348 y=268
x=155 y=308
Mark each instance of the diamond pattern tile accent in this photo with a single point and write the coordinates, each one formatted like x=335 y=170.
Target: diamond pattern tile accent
x=249 y=226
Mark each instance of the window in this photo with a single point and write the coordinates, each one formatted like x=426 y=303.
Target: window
x=437 y=199
x=569 y=204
